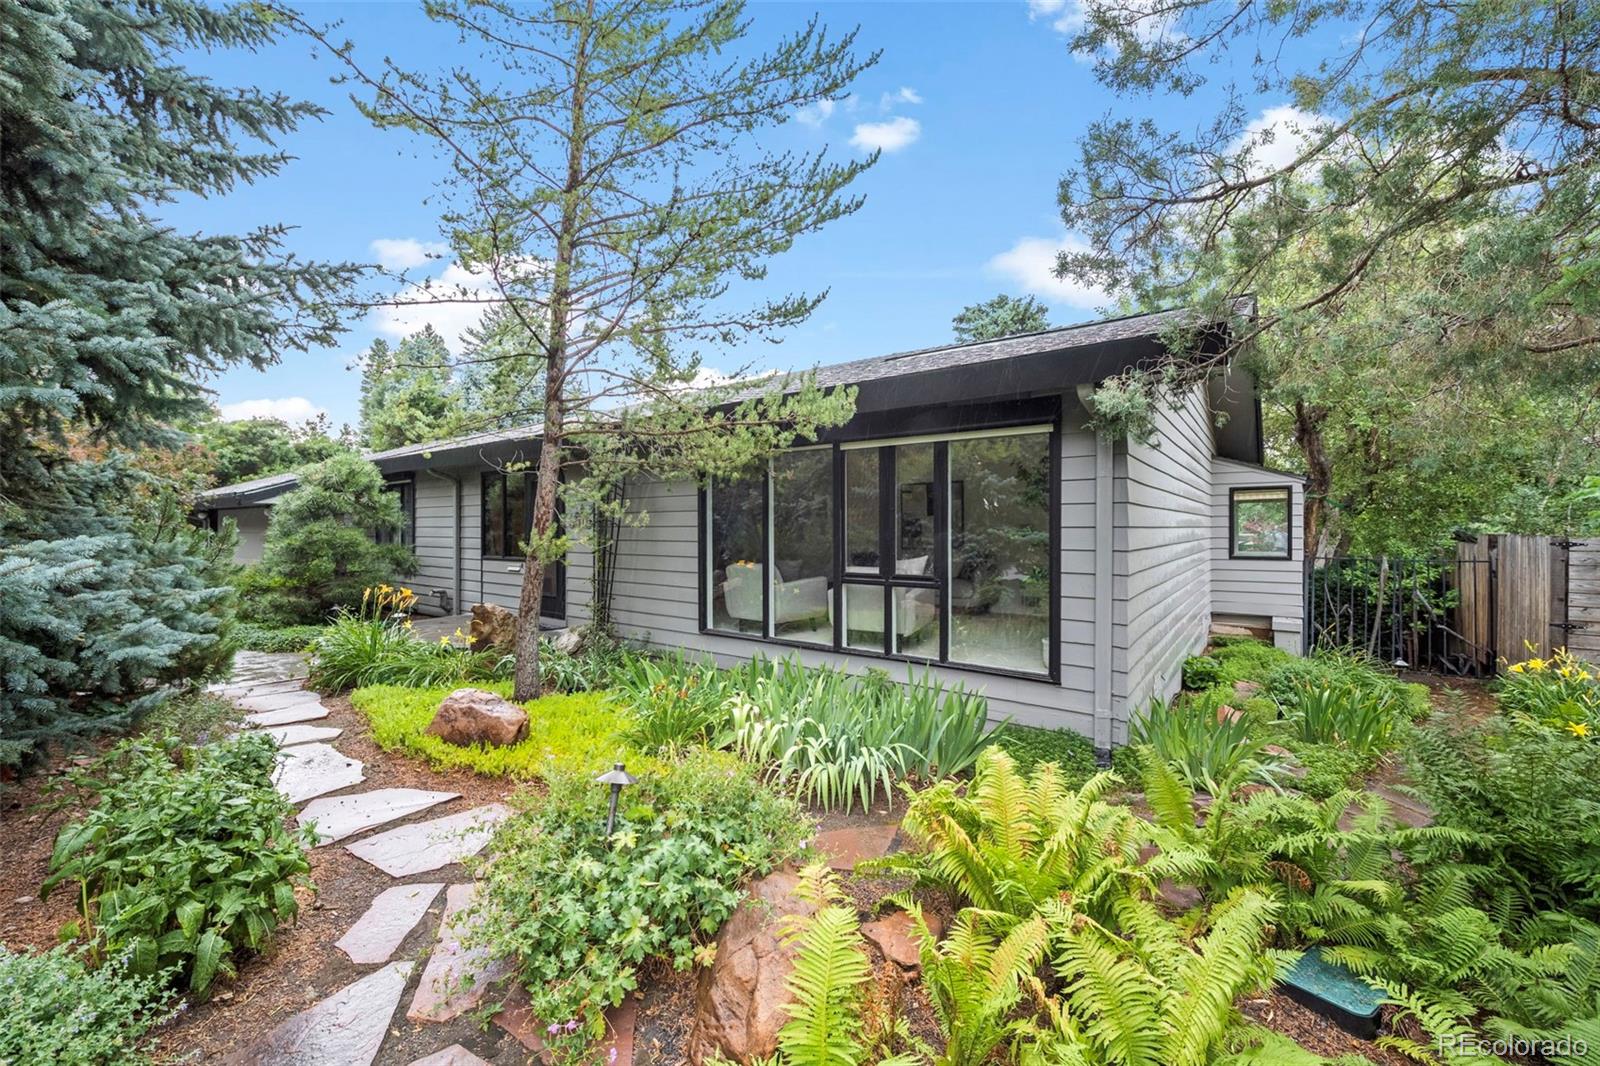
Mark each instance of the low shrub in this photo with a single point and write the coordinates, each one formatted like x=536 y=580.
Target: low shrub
x=1344 y=669
x=1201 y=672
x=1211 y=752
x=54 y=1008
x=579 y=730
x=580 y=914
x=1030 y=746
x=253 y=637
x=185 y=858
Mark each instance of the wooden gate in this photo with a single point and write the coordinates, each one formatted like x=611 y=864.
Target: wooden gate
x=1581 y=623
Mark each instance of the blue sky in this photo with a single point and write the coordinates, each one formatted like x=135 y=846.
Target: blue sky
x=978 y=107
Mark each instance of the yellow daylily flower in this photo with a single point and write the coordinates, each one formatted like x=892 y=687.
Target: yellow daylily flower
x=1578 y=729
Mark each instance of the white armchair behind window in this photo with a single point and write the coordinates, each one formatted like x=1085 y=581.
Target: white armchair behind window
x=791 y=600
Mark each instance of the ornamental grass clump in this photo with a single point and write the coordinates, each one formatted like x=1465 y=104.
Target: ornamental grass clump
x=579 y=914
x=185 y=857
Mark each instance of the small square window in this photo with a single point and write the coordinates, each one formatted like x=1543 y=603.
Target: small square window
x=1260 y=523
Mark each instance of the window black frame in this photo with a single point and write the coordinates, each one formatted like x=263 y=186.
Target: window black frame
x=885 y=445
x=553 y=604
x=1287 y=492
x=406 y=486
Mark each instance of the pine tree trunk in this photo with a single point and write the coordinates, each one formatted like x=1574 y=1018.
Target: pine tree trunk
x=527 y=684
x=1319 y=475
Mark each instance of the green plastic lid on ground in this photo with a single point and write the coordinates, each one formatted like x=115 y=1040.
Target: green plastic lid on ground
x=1321 y=978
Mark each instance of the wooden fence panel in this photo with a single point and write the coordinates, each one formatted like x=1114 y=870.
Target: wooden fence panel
x=1522 y=625
x=1474 y=619
x=1583 y=601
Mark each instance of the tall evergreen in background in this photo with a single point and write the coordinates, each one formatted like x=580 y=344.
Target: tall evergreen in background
x=408 y=392
x=107 y=319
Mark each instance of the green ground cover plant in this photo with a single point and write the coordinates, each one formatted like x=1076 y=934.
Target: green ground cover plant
x=254 y=637
x=184 y=857
x=580 y=913
x=579 y=730
x=1028 y=746
x=56 y=1008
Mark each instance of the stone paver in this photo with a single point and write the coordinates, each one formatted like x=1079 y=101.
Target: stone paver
x=516 y=1018
x=392 y=915
x=340 y=816
x=457 y=977
x=276 y=701
x=252 y=667
x=415 y=849
x=308 y=770
x=289 y=735
x=454 y=1055
x=346 y=1028
x=304 y=712
x=846 y=847
x=234 y=690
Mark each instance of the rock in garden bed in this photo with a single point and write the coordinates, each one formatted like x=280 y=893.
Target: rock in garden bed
x=473 y=716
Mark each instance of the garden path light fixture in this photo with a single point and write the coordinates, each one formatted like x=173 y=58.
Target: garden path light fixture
x=617 y=778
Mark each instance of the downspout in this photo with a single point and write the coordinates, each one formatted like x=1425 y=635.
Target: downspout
x=455 y=533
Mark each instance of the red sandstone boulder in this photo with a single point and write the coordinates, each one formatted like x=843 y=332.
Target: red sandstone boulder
x=473 y=716
x=740 y=1000
x=492 y=626
x=896 y=936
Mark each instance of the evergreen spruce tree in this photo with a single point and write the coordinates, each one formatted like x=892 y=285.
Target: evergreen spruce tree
x=107 y=317
x=408 y=393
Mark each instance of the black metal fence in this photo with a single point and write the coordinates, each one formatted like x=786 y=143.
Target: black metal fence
x=1424 y=614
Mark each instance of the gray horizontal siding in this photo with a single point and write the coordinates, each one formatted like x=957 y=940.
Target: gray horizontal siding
x=655 y=599
x=1162 y=540
x=1256 y=588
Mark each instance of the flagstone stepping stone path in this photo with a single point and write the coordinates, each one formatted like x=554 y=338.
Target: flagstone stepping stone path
x=457 y=977
x=454 y=1055
x=307 y=770
x=305 y=712
x=392 y=915
x=345 y=1028
x=286 y=735
x=348 y=1027
x=337 y=817
x=416 y=849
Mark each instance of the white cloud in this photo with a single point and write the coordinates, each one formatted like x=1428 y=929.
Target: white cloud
x=286 y=408
x=1275 y=138
x=1030 y=264
x=452 y=304
x=1064 y=16
x=816 y=114
x=904 y=95
x=402 y=253
x=889 y=136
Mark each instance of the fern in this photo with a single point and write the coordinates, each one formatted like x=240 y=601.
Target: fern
x=825 y=987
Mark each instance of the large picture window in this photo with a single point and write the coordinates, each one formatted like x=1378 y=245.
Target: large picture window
x=934 y=550
x=507 y=501
x=1260 y=523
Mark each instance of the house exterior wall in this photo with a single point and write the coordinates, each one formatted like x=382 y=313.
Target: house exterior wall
x=1261 y=591
x=252 y=525
x=482 y=580
x=1162 y=544
x=655 y=599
